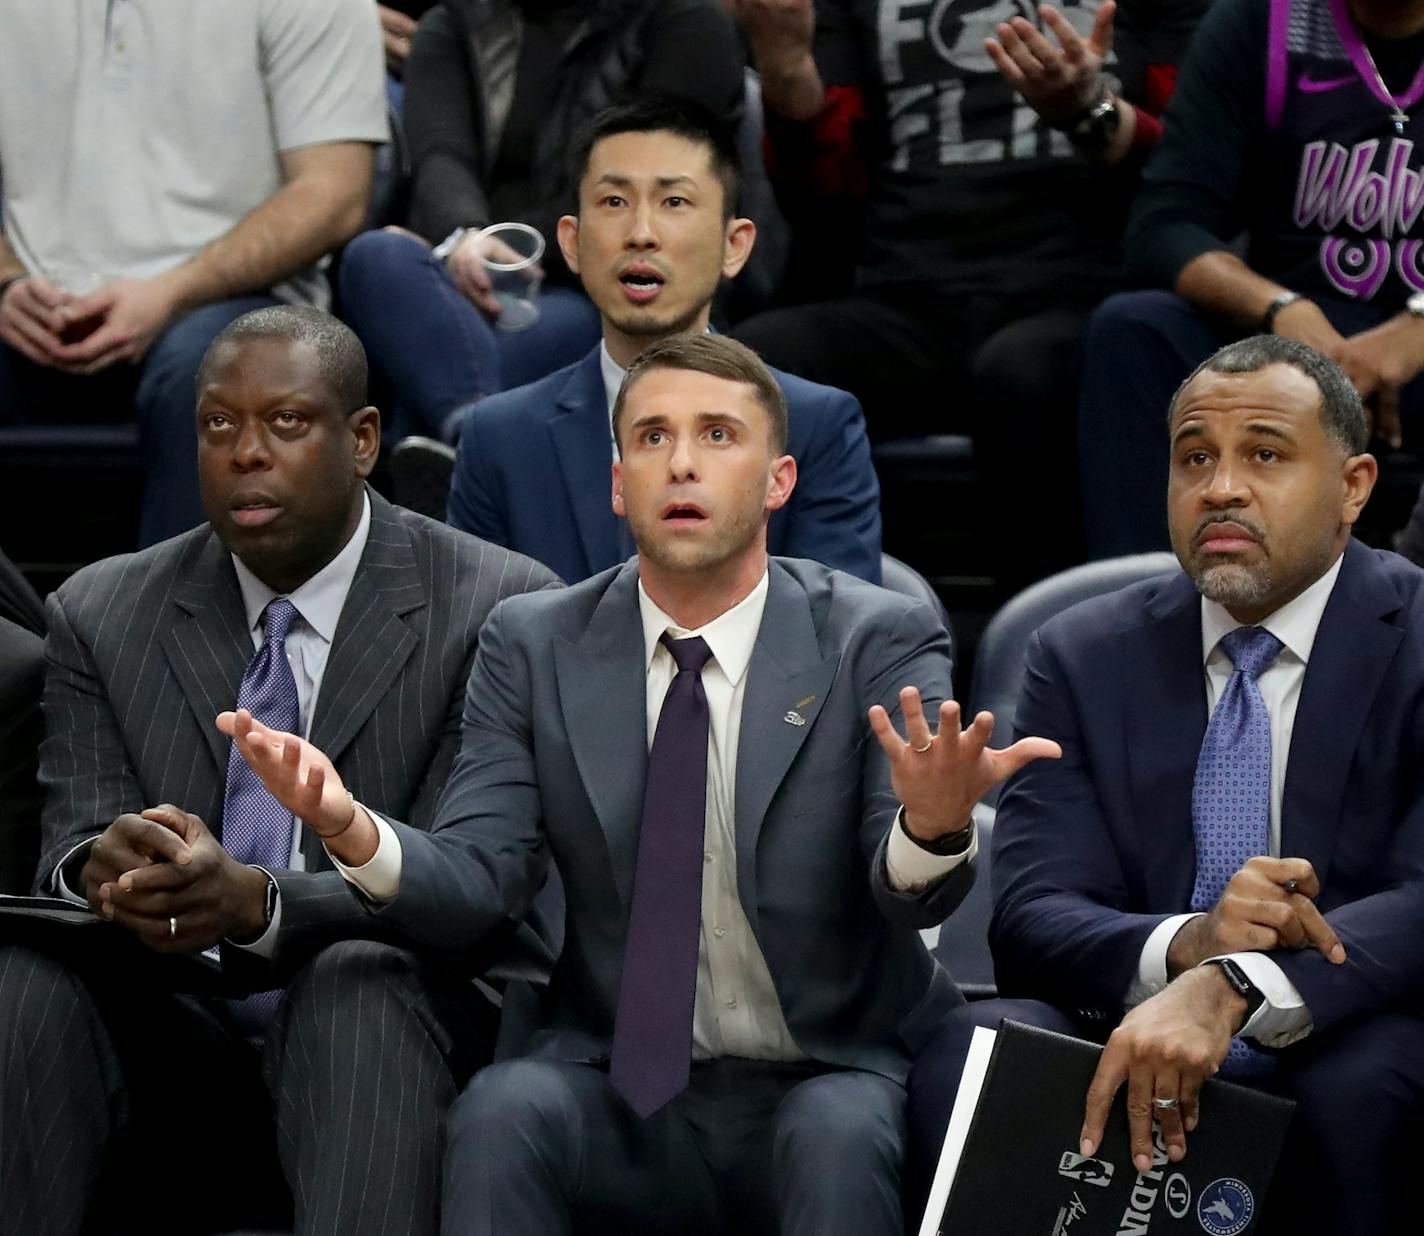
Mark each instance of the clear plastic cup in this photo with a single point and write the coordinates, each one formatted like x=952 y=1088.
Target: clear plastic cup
x=511 y=254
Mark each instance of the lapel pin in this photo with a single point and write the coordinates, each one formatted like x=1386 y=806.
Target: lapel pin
x=810 y=699
x=794 y=718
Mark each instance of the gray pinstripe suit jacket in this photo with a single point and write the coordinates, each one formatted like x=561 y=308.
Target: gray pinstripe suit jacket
x=145 y=650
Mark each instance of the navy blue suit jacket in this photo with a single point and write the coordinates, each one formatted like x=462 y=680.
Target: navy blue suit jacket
x=533 y=475
x=1094 y=850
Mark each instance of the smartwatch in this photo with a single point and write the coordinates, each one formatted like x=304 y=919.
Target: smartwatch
x=1241 y=985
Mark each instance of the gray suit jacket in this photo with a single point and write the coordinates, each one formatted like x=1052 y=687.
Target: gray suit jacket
x=145 y=650
x=553 y=764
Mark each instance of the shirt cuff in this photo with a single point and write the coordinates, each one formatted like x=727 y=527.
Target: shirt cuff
x=379 y=876
x=1152 y=965
x=1283 y=1017
x=57 y=879
x=912 y=869
x=266 y=944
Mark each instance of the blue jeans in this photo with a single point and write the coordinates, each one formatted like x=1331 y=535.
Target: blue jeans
x=1139 y=347
x=432 y=347
x=158 y=393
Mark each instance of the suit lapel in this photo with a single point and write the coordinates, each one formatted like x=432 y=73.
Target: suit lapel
x=603 y=699
x=1352 y=652
x=208 y=644
x=786 y=671
x=1166 y=720
x=583 y=446
x=372 y=642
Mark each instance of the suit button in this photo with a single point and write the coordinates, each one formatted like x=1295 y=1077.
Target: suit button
x=732 y=1003
x=706 y=856
x=719 y=932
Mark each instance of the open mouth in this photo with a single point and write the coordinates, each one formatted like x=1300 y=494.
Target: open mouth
x=641 y=283
x=684 y=513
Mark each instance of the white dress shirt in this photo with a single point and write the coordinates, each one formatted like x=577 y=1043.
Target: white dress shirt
x=1283 y=1017
x=613 y=375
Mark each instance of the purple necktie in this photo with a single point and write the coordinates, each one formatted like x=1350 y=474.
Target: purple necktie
x=1231 y=797
x=257 y=829
x=652 y=1032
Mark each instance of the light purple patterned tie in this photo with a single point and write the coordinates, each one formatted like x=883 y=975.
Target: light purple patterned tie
x=1231 y=797
x=652 y=1029
x=256 y=828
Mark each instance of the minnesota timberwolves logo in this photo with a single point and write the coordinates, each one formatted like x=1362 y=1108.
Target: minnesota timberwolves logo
x=1224 y=1207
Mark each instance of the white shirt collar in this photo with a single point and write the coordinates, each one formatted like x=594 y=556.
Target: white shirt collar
x=320 y=599
x=1294 y=624
x=731 y=635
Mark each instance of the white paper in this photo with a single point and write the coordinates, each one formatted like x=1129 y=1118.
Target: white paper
x=966 y=1100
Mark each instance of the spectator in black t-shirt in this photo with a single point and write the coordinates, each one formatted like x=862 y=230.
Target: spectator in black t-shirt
x=494 y=92
x=980 y=238
x=1283 y=131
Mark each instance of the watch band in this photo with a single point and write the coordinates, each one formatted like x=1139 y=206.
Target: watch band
x=1241 y=984
x=1093 y=130
x=946 y=846
x=1268 y=319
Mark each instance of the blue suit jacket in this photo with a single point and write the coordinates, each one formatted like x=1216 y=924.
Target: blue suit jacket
x=1094 y=850
x=533 y=475
x=552 y=769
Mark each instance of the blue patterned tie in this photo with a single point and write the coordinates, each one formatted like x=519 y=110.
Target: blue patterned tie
x=257 y=829
x=1231 y=797
x=652 y=1030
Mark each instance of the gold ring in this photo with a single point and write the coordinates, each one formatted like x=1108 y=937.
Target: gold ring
x=922 y=750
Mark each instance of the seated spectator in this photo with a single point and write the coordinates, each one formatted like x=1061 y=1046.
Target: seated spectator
x=21 y=678
x=1248 y=889
x=653 y=234
x=1289 y=125
x=307 y=598
x=159 y=177
x=726 y=1035
x=980 y=237
x=494 y=91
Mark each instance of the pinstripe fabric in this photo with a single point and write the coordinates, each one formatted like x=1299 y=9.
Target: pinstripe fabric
x=145 y=650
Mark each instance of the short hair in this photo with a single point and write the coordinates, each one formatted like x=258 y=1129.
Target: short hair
x=341 y=359
x=1342 y=414
x=662 y=113
x=720 y=357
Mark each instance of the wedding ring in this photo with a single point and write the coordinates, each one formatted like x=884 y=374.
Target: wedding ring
x=1290 y=886
x=922 y=750
x=172 y=927
x=1166 y=1105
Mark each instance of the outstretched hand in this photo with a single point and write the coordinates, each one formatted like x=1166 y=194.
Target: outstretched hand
x=938 y=777
x=1059 y=83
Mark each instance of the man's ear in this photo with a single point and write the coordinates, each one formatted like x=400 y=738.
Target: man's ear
x=618 y=507
x=737 y=242
x=783 y=481
x=567 y=233
x=1357 y=478
x=365 y=424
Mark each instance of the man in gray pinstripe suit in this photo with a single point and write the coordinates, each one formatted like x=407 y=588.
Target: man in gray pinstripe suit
x=137 y=1104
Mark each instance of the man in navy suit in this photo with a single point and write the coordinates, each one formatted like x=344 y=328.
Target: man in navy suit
x=1277 y=684
x=654 y=235
x=725 y=1036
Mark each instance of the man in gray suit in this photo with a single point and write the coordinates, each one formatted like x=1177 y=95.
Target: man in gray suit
x=741 y=990
x=135 y=1102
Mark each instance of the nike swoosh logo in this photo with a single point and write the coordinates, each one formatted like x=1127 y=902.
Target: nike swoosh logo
x=1310 y=85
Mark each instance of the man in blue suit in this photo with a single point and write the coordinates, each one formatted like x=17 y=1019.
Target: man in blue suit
x=654 y=235
x=1233 y=842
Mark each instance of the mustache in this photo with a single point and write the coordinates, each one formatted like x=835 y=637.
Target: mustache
x=1256 y=532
